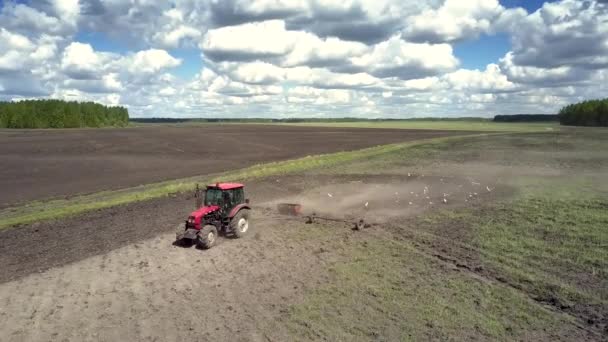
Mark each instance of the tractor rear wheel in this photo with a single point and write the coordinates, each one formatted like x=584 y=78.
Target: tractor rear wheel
x=240 y=223
x=206 y=237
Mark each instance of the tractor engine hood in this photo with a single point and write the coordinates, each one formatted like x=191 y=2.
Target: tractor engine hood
x=199 y=213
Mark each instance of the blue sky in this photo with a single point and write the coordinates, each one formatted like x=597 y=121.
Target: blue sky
x=477 y=53
x=367 y=58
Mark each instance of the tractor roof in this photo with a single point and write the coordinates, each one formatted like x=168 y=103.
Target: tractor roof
x=226 y=186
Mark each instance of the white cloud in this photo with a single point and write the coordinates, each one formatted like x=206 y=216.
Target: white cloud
x=309 y=49
x=258 y=73
x=111 y=100
x=111 y=82
x=175 y=29
x=223 y=85
x=548 y=76
x=167 y=91
x=14 y=50
x=322 y=78
x=484 y=98
x=68 y=10
x=454 y=20
x=490 y=80
x=271 y=40
x=26 y=19
x=318 y=96
x=248 y=41
x=559 y=42
x=46 y=48
x=397 y=58
x=151 y=61
x=175 y=36
x=14 y=41
x=84 y=69
x=80 y=61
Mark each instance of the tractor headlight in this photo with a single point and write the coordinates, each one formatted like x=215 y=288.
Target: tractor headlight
x=190 y=219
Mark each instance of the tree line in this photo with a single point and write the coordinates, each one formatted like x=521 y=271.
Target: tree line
x=586 y=113
x=60 y=114
x=526 y=118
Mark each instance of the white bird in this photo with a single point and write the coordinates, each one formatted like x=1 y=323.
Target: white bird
x=330 y=195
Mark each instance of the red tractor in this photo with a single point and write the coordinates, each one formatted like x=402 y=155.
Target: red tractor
x=224 y=211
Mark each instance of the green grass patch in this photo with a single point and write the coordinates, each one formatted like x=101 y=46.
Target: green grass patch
x=472 y=125
x=388 y=290
x=548 y=246
x=554 y=247
x=422 y=154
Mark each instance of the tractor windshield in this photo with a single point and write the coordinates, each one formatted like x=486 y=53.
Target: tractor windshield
x=213 y=197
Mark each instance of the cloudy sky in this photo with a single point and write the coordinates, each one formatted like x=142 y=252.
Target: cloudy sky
x=321 y=58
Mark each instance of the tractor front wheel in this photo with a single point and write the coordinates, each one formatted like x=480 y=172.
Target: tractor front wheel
x=206 y=237
x=240 y=223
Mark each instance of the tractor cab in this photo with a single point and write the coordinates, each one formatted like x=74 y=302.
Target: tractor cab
x=225 y=195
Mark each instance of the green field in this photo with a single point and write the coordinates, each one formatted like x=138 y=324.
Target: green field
x=529 y=264
x=472 y=125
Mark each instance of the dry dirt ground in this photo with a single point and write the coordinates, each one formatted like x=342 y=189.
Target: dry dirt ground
x=39 y=164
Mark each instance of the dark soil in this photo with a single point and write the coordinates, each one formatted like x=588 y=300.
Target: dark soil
x=40 y=246
x=42 y=164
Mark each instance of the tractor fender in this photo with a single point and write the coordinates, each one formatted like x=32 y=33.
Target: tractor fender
x=238 y=208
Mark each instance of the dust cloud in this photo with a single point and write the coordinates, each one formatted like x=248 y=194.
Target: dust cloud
x=381 y=202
